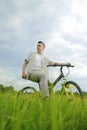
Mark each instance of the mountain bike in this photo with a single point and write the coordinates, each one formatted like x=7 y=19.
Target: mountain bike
x=69 y=88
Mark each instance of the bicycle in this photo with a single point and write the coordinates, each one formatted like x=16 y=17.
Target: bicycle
x=69 y=88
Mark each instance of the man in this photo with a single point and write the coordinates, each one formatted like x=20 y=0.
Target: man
x=37 y=71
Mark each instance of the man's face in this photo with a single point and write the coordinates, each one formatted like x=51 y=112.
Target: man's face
x=40 y=47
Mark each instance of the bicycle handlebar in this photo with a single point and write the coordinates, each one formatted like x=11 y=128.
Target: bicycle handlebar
x=55 y=65
x=61 y=68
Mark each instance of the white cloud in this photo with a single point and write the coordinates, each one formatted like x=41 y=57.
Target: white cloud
x=79 y=9
x=72 y=26
x=7 y=73
x=60 y=44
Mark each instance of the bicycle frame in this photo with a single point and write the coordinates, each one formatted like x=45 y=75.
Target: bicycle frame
x=59 y=77
x=63 y=83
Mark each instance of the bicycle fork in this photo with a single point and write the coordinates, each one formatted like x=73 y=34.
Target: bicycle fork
x=70 y=88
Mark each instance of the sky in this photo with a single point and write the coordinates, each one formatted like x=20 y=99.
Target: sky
x=61 y=25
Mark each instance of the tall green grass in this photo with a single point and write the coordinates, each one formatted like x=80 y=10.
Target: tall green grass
x=31 y=112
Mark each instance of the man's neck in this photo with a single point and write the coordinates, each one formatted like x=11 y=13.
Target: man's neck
x=40 y=53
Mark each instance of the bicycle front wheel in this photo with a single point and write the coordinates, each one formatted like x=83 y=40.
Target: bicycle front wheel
x=73 y=89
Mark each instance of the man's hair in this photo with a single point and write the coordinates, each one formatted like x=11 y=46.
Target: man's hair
x=42 y=43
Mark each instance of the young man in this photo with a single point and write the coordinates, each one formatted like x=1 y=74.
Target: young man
x=37 y=71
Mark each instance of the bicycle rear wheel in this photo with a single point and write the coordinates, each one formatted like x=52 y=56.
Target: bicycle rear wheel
x=73 y=89
x=28 y=90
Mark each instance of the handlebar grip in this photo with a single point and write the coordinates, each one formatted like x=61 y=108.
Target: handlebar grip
x=70 y=65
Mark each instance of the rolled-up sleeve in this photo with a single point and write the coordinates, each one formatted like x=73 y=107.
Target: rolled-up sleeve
x=27 y=59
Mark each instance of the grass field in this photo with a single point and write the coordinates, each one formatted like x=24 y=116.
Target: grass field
x=31 y=112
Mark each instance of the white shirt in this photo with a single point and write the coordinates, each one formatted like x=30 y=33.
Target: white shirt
x=37 y=65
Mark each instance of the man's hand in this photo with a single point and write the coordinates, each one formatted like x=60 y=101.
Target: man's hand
x=62 y=64
x=68 y=64
x=24 y=76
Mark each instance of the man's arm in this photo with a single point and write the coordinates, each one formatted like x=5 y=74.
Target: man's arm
x=57 y=63
x=24 y=75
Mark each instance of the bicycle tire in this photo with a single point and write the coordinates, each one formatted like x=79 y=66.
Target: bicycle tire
x=78 y=92
x=28 y=89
